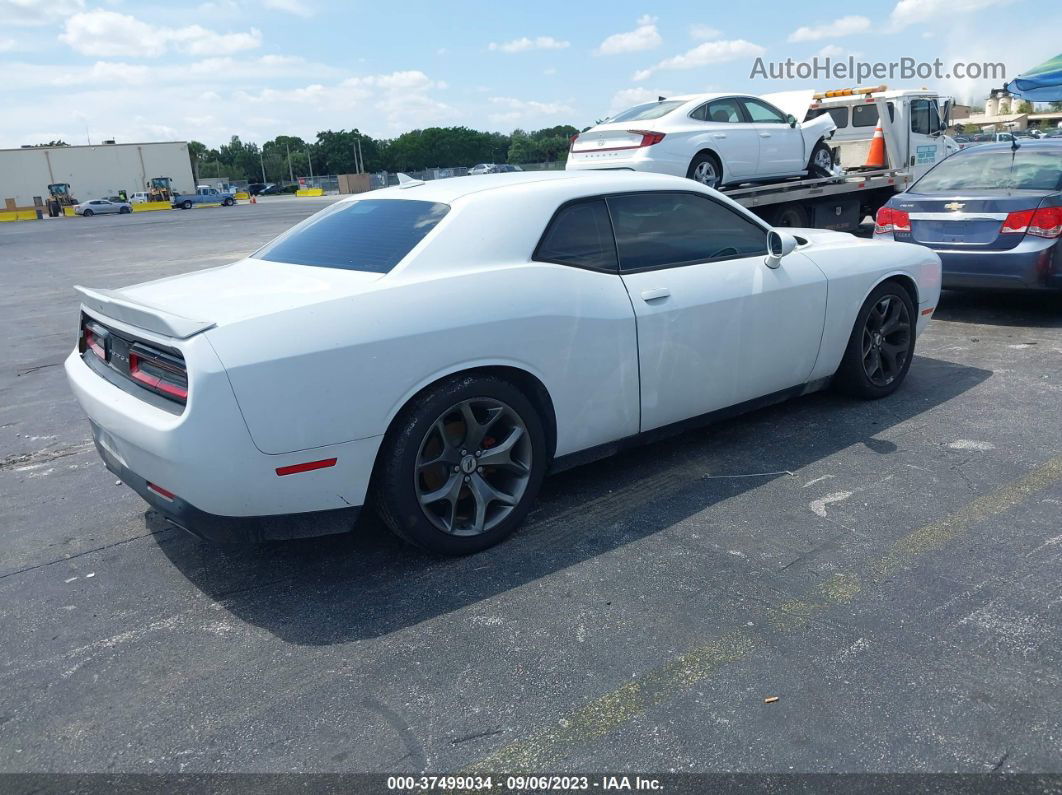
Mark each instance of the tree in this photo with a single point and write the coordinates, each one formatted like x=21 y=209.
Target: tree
x=196 y=151
x=59 y=142
x=1025 y=106
x=1056 y=106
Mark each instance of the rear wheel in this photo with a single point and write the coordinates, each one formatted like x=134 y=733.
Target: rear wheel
x=790 y=215
x=187 y=205
x=228 y=202
x=124 y=210
x=88 y=213
x=706 y=169
x=461 y=465
x=821 y=162
x=882 y=344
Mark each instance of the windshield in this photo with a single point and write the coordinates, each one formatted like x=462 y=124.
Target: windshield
x=1000 y=169
x=650 y=110
x=367 y=235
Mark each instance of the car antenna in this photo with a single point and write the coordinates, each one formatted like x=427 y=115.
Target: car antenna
x=406 y=181
x=660 y=99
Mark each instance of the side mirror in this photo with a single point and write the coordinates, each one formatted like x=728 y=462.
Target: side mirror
x=779 y=244
x=791 y=120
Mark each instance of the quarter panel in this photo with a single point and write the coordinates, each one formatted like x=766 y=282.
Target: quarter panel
x=341 y=370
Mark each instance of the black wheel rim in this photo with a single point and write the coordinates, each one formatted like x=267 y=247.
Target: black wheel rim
x=886 y=340
x=473 y=466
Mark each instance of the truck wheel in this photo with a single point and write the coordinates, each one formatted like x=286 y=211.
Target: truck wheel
x=705 y=169
x=791 y=214
x=228 y=202
x=821 y=162
x=187 y=205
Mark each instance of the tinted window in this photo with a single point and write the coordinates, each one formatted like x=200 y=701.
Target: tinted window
x=367 y=235
x=650 y=110
x=867 y=115
x=977 y=169
x=840 y=115
x=723 y=110
x=580 y=234
x=924 y=117
x=660 y=229
x=761 y=112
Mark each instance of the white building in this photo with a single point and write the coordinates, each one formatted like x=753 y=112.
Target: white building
x=91 y=171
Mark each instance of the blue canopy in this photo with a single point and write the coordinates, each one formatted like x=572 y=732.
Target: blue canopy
x=1040 y=84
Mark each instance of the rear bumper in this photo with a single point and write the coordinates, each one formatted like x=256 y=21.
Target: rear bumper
x=231 y=529
x=628 y=160
x=1034 y=264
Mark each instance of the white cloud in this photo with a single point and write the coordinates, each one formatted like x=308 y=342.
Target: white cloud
x=105 y=72
x=296 y=7
x=550 y=71
x=644 y=37
x=705 y=54
x=8 y=45
x=910 y=12
x=108 y=33
x=37 y=12
x=524 y=44
x=517 y=110
x=700 y=32
x=845 y=26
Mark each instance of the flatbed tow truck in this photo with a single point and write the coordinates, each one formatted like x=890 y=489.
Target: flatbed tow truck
x=913 y=124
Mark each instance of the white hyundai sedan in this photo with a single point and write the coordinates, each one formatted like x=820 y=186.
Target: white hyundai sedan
x=715 y=139
x=441 y=346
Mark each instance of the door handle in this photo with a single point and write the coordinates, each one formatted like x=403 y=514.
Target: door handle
x=720 y=136
x=655 y=294
x=765 y=135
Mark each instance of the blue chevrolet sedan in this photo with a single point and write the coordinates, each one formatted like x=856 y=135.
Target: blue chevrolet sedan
x=993 y=213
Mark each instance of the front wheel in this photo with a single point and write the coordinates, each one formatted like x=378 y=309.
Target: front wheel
x=88 y=213
x=124 y=210
x=821 y=162
x=228 y=202
x=706 y=169
x=461 y=465
x=882 y=344
x=187 y=205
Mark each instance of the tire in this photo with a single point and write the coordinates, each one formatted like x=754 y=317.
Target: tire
x=874 y=366
x=124 y=210
x=227 y=202
x=706 y=169
x=186 y=205
x=431 y=449
x=790 y=215
x=88 y=213
x=821 y=161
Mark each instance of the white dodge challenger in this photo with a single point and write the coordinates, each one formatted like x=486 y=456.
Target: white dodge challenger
x=434 y=349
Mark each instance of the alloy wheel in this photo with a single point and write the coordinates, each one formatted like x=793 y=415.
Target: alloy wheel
x=886 y=340
x=473 y=466
x=705 y=174
x=823 y=159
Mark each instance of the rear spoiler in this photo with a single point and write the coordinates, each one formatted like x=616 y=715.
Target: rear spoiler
x=113 y=304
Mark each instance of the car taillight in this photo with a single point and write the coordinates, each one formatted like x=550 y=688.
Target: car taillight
x=159 y=372
x=1046 y=222
x=889 y=219
x=94 y=338
x=1017 y=223
x=648 y=137
x=571 y=142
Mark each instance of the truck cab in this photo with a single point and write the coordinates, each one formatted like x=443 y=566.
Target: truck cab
x=913 y=123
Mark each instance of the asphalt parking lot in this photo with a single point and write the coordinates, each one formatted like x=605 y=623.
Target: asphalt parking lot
x=889 y=571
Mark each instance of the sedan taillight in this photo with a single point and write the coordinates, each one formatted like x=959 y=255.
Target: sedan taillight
x=1044 y=222
x=648 y=137
x=889 y=219
x=159 y=372
x=93 y=339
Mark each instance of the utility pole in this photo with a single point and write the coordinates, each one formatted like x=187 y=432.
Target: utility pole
x=308 y=160
x=291 y=174
x=357 y=165
x=361 y=157
x=261 y=160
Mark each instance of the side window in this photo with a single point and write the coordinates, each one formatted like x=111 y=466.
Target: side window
x=581 y=235
x=867 y=115
x=700 y=113
x=657 y=230
x=921 y=119
x=762 y=113
x=725 y=111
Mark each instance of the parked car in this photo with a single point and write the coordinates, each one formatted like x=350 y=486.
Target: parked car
x=506 y=168
x=242 y=402
x=101 y=207
x=992 y=213
x=714 y=139
x=204 y=194
x=482 y=168
x=140 y=197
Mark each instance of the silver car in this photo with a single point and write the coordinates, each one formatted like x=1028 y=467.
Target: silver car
x=101 y=207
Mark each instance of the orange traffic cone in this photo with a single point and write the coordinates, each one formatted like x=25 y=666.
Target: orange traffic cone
x=254 y=199
x=876 y=153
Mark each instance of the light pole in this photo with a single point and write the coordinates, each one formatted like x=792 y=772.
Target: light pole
x=291 y=174
x=261 y=160
x=308 y=160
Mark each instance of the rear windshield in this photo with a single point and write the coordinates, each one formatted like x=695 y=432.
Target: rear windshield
x=976 y=169
x=367 y=235
x=651 y=110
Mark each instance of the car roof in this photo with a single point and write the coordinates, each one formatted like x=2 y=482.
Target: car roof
x=1034 y=144
x=452 y=189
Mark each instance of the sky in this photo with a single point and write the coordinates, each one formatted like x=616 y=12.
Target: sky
x=86 y=70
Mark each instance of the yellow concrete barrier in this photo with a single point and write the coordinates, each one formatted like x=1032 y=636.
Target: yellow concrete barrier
x=243 y=195
x=69 y=211
x=147 y=207
x=206 y=204
x=310 y=192
x=18 y=215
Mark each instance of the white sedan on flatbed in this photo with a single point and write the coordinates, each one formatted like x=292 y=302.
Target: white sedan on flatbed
x=715 y=139
x=441 y=346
